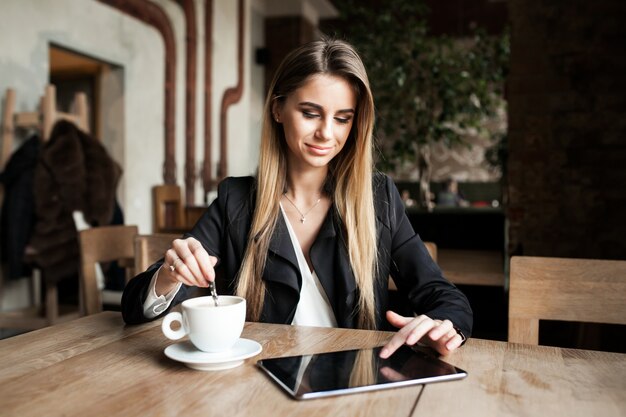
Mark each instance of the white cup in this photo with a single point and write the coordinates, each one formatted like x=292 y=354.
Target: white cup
x=210 y=328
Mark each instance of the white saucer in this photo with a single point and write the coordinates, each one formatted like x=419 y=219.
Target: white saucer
x=188 y=354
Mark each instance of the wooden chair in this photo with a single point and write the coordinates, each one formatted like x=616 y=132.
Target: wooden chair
x=581 y=290
x=193 y=214
x=151 y=248
x=168 y=211
x=102 y=244
x=43 y=119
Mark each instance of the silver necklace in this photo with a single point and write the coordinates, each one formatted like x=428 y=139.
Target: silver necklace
x=302 y=215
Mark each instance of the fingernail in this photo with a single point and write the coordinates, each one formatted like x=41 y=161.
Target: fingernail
x=384 y=353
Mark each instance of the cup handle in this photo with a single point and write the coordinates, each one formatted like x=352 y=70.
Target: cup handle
x=167 y=329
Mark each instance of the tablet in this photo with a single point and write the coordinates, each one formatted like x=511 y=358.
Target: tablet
x=352 y=371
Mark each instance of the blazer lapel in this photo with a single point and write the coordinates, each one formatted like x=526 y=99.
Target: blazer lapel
x=323 y=253
x=281 y=246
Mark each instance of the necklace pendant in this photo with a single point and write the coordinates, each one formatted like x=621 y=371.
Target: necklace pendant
x=302 y=220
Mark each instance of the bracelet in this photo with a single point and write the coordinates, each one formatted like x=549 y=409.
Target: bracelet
x=460 y=333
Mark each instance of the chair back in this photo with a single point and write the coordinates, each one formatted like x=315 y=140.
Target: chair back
x=580 y=290
x=168 y=211
x=151 y=248
x=102 y=244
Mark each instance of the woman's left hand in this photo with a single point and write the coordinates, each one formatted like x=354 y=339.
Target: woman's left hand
x=439 y=335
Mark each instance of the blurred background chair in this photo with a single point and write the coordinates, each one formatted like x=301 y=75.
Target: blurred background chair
x=151 y=248
x=170 y=214
x=99 y=245
x=168 y=210
x=578 y=290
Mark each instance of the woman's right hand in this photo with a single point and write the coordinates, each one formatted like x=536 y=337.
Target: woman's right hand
x=187 y=262
x=438 y=334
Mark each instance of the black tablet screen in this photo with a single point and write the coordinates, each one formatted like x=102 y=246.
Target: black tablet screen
x=335 y=373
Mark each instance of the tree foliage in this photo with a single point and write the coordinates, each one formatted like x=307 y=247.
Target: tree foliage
x=426 y=89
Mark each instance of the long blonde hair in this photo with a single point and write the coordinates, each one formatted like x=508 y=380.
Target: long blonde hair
x=350 y=175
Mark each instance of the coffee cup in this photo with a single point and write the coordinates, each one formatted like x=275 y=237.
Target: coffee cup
x=210 y=328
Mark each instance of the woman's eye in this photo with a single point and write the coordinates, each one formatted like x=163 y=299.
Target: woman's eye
x=343 y=120
x=309 y=115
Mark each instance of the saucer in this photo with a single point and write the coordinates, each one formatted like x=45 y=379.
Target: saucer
x=188 y=354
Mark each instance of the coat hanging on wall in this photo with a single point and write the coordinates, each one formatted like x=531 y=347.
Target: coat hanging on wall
x=74 y=173
x=18 y=169
x=18 y=207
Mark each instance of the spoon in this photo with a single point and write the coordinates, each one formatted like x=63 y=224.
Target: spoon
x=213 y=293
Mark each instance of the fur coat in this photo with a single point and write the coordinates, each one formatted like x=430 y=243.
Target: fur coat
x=74 y=173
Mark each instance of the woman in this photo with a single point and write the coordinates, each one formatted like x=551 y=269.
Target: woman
x=313 y=238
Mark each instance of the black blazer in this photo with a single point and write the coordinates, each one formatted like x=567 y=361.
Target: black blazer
x=223 y=231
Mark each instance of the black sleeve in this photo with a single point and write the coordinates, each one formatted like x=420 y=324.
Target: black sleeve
x=208 y=231
x=416 y=274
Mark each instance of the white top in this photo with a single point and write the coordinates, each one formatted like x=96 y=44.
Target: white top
x=313 y=308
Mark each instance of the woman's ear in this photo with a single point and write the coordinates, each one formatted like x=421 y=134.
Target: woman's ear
x=276 y=110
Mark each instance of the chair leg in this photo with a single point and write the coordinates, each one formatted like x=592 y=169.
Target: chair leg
x=35 y=287
x=2 y=273
x=82 y=309
x=52 y=303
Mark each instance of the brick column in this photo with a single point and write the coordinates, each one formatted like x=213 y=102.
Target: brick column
x=567 y=130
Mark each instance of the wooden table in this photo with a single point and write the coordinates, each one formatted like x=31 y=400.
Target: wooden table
x=97 y=366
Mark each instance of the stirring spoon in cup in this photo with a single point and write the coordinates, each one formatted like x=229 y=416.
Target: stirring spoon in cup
x=213 y=293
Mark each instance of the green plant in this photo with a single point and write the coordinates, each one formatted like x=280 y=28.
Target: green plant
x=427 y=89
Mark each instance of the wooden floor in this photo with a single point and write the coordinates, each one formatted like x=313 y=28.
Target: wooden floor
x=472 y=267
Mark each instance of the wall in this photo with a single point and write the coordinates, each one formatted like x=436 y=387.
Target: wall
x=133 y=130
x=138 y=49
x=224 y=77
x=80 y=27
x=567 y=131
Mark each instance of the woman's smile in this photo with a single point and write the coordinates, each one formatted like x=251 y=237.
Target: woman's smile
x=319 y=150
